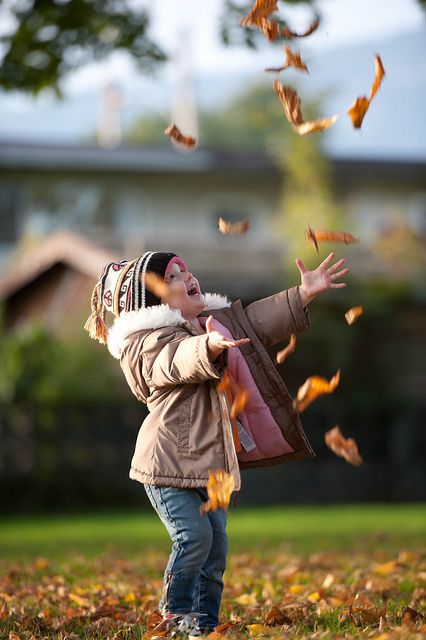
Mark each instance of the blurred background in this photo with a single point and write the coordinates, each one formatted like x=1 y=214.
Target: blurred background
x=87 y=175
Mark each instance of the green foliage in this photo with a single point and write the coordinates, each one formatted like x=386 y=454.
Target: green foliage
x=53 y=37
x=38 y=368
x=252 y=121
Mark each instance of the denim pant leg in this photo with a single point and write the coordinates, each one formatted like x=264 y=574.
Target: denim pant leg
x=192 y=537
x=211 y=575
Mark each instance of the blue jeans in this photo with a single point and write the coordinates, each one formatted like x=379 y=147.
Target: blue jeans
x=193 y=576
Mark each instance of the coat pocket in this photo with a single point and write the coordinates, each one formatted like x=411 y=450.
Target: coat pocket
x=184 y=424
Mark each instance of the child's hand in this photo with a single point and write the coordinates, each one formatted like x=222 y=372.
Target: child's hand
x=314 y=282
x=217 y=342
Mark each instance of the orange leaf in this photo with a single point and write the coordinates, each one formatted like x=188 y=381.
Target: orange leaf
x=175 y=134
x=291 y=60
x=288 y=33
x=316 y=235
x=260 y=9
x=276 y=617
x=282 y=355
x=233 y=228
x=219 y=489
x=290 y=100
x=360 y=106
x=343 y=447
x=270 y=29
x=156 y=285
x=314 y=387
x=352 y=314
x=357 y=110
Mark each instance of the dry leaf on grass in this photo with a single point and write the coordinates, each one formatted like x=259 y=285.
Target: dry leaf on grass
x=276 y=617
x=344 y=447
x=175 y=134
x=313 y=388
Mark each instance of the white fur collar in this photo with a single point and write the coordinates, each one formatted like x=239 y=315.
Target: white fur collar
x=153 y=318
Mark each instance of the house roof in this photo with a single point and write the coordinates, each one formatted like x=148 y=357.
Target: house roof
x=62 y=247
x=37 y=157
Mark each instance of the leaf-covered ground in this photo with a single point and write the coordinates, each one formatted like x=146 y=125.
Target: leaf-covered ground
x=371 y=587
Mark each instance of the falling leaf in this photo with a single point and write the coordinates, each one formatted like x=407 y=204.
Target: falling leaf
x=237 y=395
x=343 y=447
x=284 y=353
x=316 y=235
x=220 y=486
x=270 y=29
x=260 y=9
x=352 y=314
x=357 y=110
x=175 y=134
x=233 y=228
x=290 y=100
x=361 y=104
x=292 y=59
x=156 y=285
x=314 y=387
x=288 y=33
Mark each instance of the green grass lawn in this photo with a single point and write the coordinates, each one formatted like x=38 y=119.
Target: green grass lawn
x=298 y=528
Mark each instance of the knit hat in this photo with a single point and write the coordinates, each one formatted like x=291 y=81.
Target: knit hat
x=122 y=288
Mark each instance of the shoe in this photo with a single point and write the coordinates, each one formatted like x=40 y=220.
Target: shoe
x=184 y=625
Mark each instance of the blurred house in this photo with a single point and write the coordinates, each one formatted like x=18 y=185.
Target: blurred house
x=51 y=283
x=140 y=198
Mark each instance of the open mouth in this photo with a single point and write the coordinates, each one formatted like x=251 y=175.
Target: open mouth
x=193 y=291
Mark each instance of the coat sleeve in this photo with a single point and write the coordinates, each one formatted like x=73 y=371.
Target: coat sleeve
x=275 y=318
x=177 y=358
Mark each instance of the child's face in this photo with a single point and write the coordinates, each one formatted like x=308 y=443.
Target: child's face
x=184 y=288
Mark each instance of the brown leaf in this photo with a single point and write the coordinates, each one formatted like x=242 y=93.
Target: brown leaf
x=156 y=285
x=410 y=616
x=314 y=236
x=233 y=228
x=352 y=314
x=270 y=29
x=284 y=353
x=343 y=447
x=276 y=617
x=360 y=106
x=14 y=636
x=219 y=487
x=260 y=9
x=289 y=33
x=357 y=110
x=314 y=387
x=290 y=100
x=175 y=134
x=292 y=59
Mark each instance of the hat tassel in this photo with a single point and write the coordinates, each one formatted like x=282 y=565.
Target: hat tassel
x=95 y=323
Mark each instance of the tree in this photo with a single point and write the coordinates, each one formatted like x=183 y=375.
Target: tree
x=252 y=121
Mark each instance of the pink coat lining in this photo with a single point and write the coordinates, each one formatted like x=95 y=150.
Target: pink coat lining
x=256 y=418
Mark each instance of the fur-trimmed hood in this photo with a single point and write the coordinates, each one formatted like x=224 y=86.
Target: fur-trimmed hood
x=153 y=318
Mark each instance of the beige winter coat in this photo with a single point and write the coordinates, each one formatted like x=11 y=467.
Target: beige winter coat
x=188 y=430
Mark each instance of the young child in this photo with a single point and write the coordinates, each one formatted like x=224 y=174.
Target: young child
x=173 y=352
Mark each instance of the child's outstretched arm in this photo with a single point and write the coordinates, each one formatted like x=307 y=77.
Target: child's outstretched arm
x=276 y=317
x=321 y=279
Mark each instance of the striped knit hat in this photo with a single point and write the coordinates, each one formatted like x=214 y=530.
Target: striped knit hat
x=121 y=288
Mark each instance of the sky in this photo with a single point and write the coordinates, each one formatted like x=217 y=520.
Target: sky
x=190 y=27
